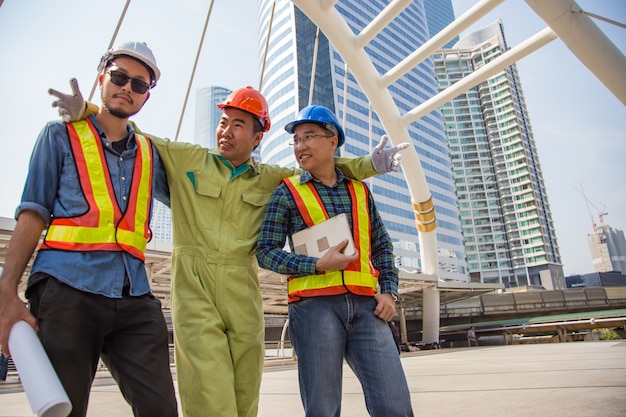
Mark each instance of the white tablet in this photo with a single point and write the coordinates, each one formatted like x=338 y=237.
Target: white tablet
x=317 y=239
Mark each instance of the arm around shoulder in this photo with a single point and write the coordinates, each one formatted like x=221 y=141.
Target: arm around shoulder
x=358 y=168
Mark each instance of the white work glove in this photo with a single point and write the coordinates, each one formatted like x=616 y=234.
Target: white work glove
x=386 y=160
x=71 y=107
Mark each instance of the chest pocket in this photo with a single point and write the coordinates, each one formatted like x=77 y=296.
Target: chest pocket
x=204 y=205
x=254 y=206
x=207 y=188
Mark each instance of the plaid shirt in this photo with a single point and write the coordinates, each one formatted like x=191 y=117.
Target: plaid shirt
x=282 y=219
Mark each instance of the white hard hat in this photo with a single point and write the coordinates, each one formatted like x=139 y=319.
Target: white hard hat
x=137 y=50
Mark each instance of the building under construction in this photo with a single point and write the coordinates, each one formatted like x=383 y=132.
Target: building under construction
x=608 y=249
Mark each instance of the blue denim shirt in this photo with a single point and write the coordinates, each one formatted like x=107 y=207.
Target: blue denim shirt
x=53 y=189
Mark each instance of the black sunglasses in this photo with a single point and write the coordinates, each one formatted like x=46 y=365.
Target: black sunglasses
x=120 y=79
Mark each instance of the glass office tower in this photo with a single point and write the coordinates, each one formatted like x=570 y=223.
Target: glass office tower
x=439 y=14
x=507 y=224
x=207 y=114
x=286 y=83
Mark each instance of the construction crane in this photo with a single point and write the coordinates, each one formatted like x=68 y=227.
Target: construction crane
x=597 y=232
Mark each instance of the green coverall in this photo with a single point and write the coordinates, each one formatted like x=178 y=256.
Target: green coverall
x=217 y=309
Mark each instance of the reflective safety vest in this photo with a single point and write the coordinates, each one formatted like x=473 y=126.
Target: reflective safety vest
x=360 y=277
x=103 y=226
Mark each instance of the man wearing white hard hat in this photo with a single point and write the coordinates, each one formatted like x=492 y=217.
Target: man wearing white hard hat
x=90 y=186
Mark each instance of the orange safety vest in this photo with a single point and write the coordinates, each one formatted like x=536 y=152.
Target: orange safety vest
x=103 y=226
x=360 y=277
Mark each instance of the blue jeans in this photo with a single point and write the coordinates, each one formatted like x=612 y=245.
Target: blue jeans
x=326 y=330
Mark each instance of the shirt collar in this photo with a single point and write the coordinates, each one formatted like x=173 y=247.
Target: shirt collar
x=306 y=177
x=129 y=129
x=241 y=169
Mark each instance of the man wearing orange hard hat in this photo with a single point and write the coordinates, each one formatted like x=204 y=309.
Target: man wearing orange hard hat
x=218 y=199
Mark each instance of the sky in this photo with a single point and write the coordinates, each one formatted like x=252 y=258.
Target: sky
x=579 y=126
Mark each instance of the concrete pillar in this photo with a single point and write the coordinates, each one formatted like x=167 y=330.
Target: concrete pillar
x=562 y=334
x=430 y=315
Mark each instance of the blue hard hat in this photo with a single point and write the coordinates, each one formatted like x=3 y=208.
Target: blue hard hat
x=321 y=116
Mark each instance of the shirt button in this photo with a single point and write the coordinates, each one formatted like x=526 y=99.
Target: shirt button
x=121 y=159
x=124 y=198
x=123 y=178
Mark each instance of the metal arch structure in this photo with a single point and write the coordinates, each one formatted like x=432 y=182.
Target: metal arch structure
x=564 y=19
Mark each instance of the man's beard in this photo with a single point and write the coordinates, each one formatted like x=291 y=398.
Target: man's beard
x=118 y=113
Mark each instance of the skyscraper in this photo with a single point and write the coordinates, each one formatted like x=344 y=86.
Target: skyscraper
x=507 y=224
x=287 y=83
x=207 y=114
x=161 y=222
x=439 y=14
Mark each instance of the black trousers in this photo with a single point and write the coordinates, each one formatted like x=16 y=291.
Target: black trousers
x=77 y=328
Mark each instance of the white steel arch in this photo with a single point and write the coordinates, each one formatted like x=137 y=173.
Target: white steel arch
x=565 y=20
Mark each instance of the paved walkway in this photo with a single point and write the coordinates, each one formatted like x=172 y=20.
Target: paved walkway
x=548 y=380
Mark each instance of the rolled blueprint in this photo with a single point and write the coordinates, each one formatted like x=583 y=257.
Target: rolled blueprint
x=43 y=389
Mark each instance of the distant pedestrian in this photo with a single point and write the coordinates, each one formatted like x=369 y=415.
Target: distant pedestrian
x=472 y=340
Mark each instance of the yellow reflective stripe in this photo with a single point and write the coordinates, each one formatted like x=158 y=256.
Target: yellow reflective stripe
x=80 y=234
x=331 y=279
x=143 y=196
x=364 y=226
x=316 y=212
x=95 y=169
x=131 y=238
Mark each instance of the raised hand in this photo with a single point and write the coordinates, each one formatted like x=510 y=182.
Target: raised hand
x=386 y=160
x=71 y=106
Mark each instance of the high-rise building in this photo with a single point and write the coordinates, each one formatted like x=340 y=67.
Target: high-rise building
x=507 y=224
x=286 y=83
x=608 y=249
x=439 y=14
x=161 y=222
x=207 y=114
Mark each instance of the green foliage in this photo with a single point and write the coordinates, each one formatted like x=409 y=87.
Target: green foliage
x=607 y=334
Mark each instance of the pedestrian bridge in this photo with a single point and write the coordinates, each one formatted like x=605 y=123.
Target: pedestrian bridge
x=524 y=301
x=563 y=314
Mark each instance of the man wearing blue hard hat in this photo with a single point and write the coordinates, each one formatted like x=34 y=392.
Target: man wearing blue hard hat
x=339 y=303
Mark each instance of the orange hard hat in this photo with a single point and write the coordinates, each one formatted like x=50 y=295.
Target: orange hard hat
x=250 y=100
